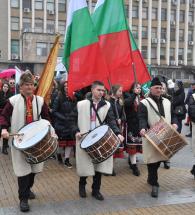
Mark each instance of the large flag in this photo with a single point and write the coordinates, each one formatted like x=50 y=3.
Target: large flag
x=142 y=74
x=111 y=25
x=82 y=53
x=46 y=80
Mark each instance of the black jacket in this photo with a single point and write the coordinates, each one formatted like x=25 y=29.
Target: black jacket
x=3 y=98
x=191 y=107
x=61 y=112
x=131 y=113
x=177 y=101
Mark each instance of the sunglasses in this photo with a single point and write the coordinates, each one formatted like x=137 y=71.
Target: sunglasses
x=11 y=82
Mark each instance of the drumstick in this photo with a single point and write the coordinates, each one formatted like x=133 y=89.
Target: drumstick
x=12 y=135
x=85 y=133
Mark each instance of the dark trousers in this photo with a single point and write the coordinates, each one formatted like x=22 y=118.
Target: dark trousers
x=153 y=173
x=96 y=182
x=5 y=144
x=24 y=185
x=179 y=125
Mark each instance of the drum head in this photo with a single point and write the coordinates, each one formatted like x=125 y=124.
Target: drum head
x=94 y=136
x=32 y=134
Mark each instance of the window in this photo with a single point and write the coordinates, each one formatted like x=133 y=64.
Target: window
x=163 y=14
x=172 y=34
x=127 y=10
x=61 y=50
x=15 y=47
x=15 y=23
x=15 y=3
x=61 y=27
x=144 y=32
x=182 y=1
x=190 y=35
x=190 y=16
x=61 y=5
x=173 y=15
x=181 y=35
x=178 y=74
x=42 y=49
x=162 y=53
x=39 y=25
x=154 y=33
x=38 y=4
x=145 y=13
x=26 y=24
x=172 y=54
x=134 y=12
x=180 y=54
x=163 y=33
x=154 y=13
x=182 y=16
x=26 y=4
x=144 y=52
x=50 y=5
x=50 y=26
x=153 y=53
x=135 y=31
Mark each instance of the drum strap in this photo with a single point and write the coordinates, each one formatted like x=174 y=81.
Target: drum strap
x=38 y=115
x=152 y=106
x=92 y=105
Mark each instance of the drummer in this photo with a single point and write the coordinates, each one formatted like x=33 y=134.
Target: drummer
x=162 y=106
x=91 y=113
x=19 y=110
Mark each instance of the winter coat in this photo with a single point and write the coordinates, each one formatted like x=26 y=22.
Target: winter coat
x=191 y=107
x=3 y=98
x=147 y=118
x=131 y=113
x=15 y=111
x=177 y=101
x=61 y=114
x=84 y=164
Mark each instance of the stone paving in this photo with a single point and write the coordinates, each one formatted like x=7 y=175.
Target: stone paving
x=57 y=190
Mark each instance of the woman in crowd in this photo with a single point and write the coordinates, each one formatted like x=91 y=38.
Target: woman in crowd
x=61 y=112
x=118 y=110
x=133 y=145
x=178 y=104
x=4 y=95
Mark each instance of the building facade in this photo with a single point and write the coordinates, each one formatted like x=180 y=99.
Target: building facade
x=164 y=31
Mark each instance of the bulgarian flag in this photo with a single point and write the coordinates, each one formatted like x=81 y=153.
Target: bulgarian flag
x=142 y=74
x=82 y=53
x=110 y=22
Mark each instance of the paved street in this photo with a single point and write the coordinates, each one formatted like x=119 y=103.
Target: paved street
x=57 y=190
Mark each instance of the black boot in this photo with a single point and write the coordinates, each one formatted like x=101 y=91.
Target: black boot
x=82 y=191
x=59 y=157
x=167 y=164
x=154 y=192
x=24 y=206
x=193 y=171
x=82 y=184
x=135 y=170
x=5 y=146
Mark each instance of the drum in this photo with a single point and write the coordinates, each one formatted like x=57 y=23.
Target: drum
x=36 y=141
x=100 y=143
x=165 y=139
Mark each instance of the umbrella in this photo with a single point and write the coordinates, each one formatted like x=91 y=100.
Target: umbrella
x=7 y=73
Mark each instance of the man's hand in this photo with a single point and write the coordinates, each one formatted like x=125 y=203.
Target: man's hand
x=175 y=126
x=121 y=138
x=78 y=135
x=5 y=134
x=143 y=132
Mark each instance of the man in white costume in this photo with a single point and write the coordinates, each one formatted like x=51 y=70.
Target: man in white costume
x=20 y=110
x=89 y=113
